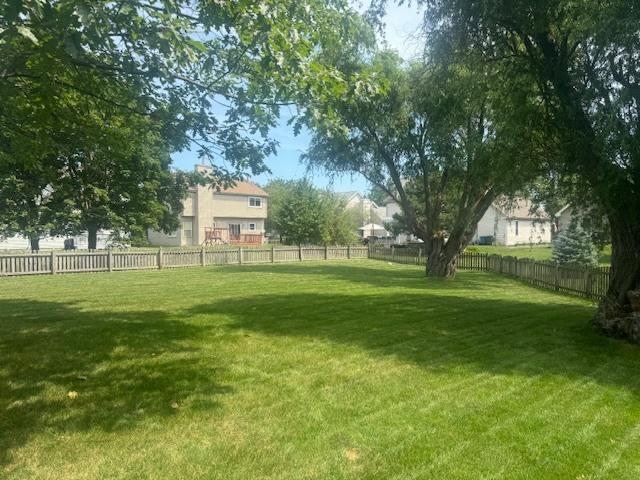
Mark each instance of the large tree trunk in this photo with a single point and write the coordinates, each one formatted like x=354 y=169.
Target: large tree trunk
x=92 y=231
x=442 y=266
x=616 y=315
x=34 y=241
x=441 y=261
x=442 y=257
x=616 y=190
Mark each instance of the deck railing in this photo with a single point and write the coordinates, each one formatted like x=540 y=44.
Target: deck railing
x=222 y=236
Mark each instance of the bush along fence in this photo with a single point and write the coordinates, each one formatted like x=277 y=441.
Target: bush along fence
x=114 y=260
x=571 y=279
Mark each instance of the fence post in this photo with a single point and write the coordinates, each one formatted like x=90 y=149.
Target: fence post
x=588 y=282
x=203 y=260
x=240 y=255
x=110 y=261
x=300 y=252
x=160 y=258
x=369 y=250
x=392 y=253
x=348 y=251
x=556 y=280
x=53 y=263
x=272 y=255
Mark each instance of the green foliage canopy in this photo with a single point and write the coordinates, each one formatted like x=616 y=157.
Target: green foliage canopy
x=303 y=214
x=436 y=138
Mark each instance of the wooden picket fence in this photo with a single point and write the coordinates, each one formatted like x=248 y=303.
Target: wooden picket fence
x=571 y=279
x=110 y=260
x=575 y=280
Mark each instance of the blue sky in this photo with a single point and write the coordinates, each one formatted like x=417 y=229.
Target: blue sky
x=402 y=27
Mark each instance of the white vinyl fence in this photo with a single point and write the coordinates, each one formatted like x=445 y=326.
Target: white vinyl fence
x=107 y=261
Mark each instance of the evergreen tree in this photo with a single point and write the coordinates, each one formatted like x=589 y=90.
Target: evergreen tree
x=575 y=246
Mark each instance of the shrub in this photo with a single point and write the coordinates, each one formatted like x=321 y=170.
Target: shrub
x=574 y=245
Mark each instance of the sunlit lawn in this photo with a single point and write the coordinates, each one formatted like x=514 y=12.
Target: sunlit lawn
x=537 y=252
x=323 y=370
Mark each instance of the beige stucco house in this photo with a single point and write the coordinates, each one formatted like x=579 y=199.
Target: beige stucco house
x=366 y=208
x=235 y=215
x=514 y=223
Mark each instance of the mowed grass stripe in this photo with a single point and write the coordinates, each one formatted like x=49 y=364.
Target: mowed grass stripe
x=310 y=370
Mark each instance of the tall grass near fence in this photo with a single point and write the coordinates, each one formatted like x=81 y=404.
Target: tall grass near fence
x=572 y=279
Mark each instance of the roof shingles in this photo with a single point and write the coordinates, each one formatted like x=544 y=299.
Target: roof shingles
x=244 y=188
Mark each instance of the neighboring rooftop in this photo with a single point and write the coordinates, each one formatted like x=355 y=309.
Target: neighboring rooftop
x=347 y=195
x=245 y=188
x=521 y=208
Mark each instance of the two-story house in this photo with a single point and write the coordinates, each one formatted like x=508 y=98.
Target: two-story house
x=235 y=215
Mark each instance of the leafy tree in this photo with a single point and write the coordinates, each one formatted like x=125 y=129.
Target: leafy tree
x=379 y=195
x=361 y=214
x=277 y=190
x=397 y=225
x=300 y=217
x=178 y=62
x=76 y=76
x=583 y=57
x=301 y=213
x=574 y=246
x=128 y=195
x=432 y=137
x=337 y=223
x=27 y=204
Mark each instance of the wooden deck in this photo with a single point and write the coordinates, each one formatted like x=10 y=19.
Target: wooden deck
x=222 y=236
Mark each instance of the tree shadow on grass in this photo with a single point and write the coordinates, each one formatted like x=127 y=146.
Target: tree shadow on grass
x=127 y=368
x=444 y=332
x=406 y=276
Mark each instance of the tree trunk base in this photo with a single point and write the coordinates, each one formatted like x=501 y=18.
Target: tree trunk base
x=442 y=268
x=615 y=320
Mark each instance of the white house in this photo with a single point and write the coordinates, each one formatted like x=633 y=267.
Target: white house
x=514 y=223
x=563 y=217
x=392 y=208
x=373 y=230
x=19 y=242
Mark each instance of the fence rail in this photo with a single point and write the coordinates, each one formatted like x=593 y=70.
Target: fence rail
x=107 y=261
x=575 y=280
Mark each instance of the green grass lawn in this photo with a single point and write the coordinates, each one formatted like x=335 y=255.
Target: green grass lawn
x=323 y=370
x=537 y=252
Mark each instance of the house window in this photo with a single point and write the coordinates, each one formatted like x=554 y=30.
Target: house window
x=234 y=229
x=252 y=226
x=516 y=228
x=187 y=229
x=255 y=202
